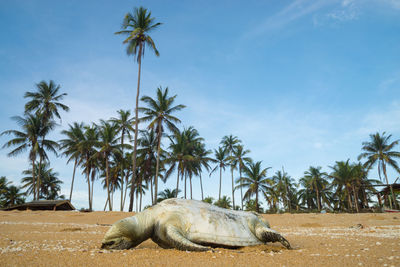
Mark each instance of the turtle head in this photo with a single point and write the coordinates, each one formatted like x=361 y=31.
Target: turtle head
x=118 y=237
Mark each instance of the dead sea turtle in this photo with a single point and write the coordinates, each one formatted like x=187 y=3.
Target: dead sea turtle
x=191 y=225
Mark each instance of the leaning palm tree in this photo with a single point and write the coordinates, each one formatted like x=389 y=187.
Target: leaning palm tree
x=221 y=158
x=255 y=180
x=124 y=128
x=239 y=159
x=380 y=150
x=137 y=26
x=159 y=114
x=229 y=143
x=70 y=146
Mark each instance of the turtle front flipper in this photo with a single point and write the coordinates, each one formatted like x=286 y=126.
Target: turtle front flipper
x=266 y=234
x=176 y=239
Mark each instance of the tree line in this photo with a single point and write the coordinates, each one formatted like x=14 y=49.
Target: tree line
x=131 y=162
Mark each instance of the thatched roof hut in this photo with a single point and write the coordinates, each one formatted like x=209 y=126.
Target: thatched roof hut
x=43 y=205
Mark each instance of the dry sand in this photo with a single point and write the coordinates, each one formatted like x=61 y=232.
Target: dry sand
x=64 y=238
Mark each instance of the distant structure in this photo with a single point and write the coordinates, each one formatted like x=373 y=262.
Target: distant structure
x=43 y=205
x=385 y=192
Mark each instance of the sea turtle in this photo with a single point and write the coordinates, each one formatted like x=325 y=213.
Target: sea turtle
x=191 y=225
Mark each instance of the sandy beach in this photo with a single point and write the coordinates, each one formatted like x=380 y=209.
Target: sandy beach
x=65 y=238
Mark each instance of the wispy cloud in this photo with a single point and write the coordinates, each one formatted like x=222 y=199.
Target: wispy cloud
x=295 y=11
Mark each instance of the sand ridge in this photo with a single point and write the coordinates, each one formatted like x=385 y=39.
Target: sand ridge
x=61 y=238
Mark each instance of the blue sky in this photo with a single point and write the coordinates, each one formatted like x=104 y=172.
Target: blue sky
x=301 y=83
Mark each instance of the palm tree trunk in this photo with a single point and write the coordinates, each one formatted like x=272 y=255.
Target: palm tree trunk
x=355 y=198
x=157 y=164
x=201 y=187
x=256 y=199
x=108 y=186
x=136 y=128
x=38 y=177
x=233 y=188
x=122 y=169
x=73 y=178
x=151 y=187
x=191 y=191
x=88 y=180
x=185 y=183
x=34 y=179
x=241 y=189
x=349 y=198
x=391 y=188
x=220 y=182
x=126 y=188
x=318 y=200
x=177 y=183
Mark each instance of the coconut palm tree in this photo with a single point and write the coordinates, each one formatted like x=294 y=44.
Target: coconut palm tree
x=108 y=145
x=221 y=158
x=49 y=184
x=45 y=102
x=379 y=151
x=124 y=128
x=342 y=176
x=147 y=155
x=224 y=202
x=284 y=185
x=167 y=193
x=71 y=147
x=13 y=196
x=159 y=114
x=255 y=180
x=229 y=143
x=31 y=137
x=88 y=149
x=202 y=159
x=239 y=159
x=316 y=179
x=137 y=26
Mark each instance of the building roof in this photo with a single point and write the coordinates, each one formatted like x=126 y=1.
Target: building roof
x=43 y=205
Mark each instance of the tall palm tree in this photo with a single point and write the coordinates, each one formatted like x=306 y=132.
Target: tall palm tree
x=202 y=160
x=46 y=103
x=71 y=147
x=137 y=26
x=239 y=159
x=108 y=145
x=254 y=180
x=229 y=143
x=159 y=113
x=316 y=179
x=31 y=137
x=124 y=128
x=379 y=151
x=87 y=148
x=221 y=158
x=147 y=155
